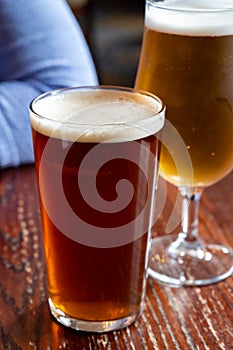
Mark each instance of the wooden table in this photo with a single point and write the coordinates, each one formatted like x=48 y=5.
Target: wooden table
x=173 y=318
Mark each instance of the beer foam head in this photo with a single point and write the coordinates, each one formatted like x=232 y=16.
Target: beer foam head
x=97 y=115
x=191 y=17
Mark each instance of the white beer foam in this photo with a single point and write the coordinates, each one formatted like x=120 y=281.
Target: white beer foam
x=96 y=116
x=197 y=18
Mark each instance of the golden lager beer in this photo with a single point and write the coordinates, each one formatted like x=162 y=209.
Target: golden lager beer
x=187 y=60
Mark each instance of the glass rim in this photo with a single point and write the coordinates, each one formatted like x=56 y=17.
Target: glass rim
x=59 y=91
x=186 y=9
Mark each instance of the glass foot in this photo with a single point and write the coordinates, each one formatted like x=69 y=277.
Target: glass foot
x=175 y=262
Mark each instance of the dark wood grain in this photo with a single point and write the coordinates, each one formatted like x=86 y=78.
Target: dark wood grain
x=173 y=318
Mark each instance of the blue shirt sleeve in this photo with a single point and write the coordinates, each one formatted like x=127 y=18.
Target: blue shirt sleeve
x=41 y=48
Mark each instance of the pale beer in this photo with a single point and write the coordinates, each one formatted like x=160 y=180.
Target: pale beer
x=187 y=60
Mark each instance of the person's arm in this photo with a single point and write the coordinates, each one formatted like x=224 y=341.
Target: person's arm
x=41 y=48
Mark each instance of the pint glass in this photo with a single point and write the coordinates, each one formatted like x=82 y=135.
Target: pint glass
x=96 y=153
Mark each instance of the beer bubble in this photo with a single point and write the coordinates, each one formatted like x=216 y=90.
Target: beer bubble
x=197 y=18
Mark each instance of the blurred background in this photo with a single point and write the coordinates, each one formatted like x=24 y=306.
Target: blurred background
x=114 y=31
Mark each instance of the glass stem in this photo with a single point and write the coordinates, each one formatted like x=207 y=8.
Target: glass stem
x=190 y=209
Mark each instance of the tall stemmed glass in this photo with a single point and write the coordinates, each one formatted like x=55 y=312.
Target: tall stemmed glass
x=187 y=60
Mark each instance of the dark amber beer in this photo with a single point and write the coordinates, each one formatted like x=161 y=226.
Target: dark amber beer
x=96 y=160
x=187 y=60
